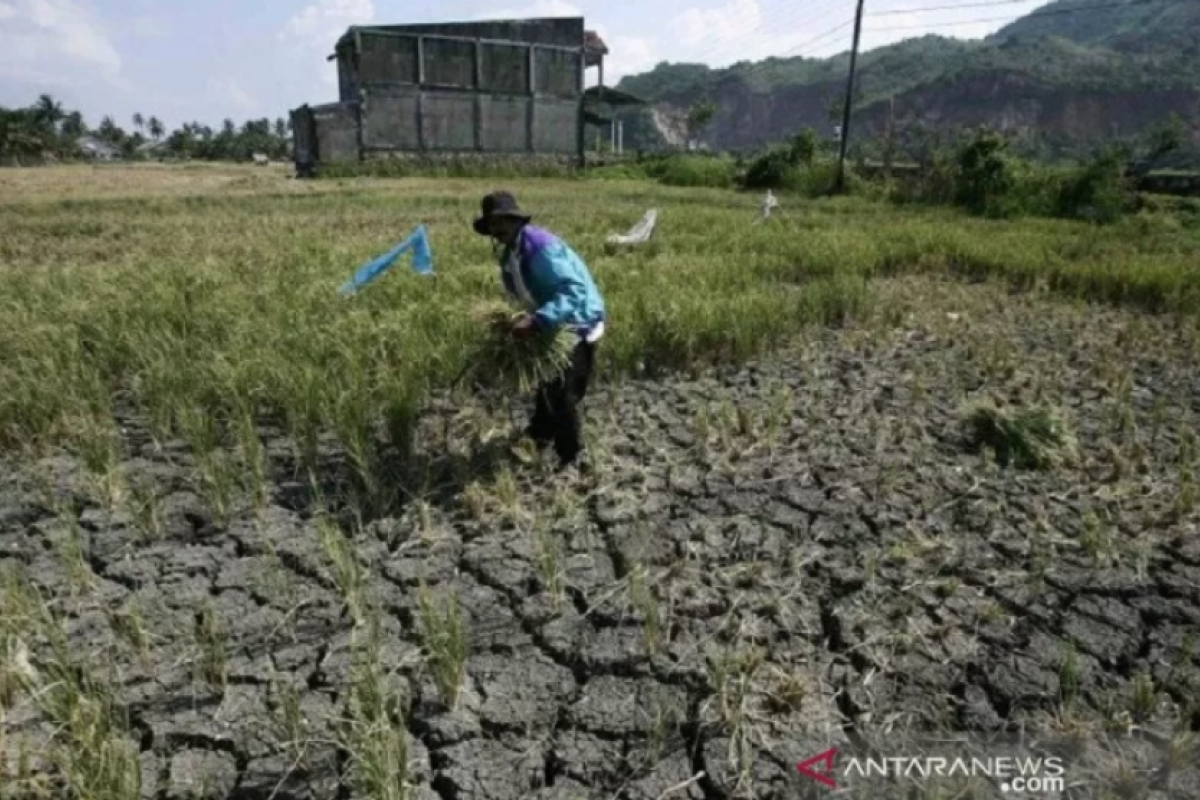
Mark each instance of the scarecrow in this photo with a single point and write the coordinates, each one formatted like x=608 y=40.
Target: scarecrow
x=555 y=288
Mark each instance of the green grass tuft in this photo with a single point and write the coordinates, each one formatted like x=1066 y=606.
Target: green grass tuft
x=1025 y=438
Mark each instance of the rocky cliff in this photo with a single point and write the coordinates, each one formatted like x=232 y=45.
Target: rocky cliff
x=1059 y=83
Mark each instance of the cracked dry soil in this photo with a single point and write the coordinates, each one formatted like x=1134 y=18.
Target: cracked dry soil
x=771 y=561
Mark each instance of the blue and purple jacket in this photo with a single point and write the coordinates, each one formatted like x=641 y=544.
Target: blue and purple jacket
x=553 y=283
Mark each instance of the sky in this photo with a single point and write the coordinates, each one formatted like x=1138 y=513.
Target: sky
x=207 y=60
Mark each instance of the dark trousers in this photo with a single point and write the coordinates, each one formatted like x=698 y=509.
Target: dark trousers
x=556 y=416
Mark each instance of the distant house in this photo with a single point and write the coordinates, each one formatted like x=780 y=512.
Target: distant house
x=152 y=149
x=97 y=149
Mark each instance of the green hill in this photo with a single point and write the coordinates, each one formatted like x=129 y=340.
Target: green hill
x=1104 y=50
x=1132 y=26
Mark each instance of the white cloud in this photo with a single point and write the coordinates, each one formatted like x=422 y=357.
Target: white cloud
x=227 y=91
x=538 y=8
x=740 y=30
x=316 y=28
x=322 y=22
x=736 y=19
x=54 y=42
x=148 y=27
x=627 y=55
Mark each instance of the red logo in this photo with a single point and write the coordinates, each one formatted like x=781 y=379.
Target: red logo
x=822 y=774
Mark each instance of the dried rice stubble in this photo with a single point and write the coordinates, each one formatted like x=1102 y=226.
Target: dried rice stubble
x=500 y=361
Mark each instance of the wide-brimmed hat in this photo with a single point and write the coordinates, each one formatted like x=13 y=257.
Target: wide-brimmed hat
x=498 y=204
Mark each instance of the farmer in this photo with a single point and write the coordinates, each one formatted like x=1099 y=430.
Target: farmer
x=554 y=285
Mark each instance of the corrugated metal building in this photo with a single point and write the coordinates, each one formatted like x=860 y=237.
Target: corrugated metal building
x=502 y=86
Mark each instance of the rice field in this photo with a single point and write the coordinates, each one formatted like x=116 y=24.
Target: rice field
x=255 y=544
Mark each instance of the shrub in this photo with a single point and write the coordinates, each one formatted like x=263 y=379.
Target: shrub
x=694 y=171
x=781 y=166
x=770 y=170
x=1035 y=190
x=803 y=147
x=818 y=179
x=619 y=171
x=1099 y=191
x=984 y=176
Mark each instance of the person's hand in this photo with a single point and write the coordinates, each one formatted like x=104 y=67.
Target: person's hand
x=523 y=327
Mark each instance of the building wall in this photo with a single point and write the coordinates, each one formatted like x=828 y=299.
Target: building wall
x=457 y=87
x=327 y=133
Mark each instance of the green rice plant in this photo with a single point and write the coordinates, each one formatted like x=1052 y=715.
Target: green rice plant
x=1025 y=438
x=374 y=733
x=344 y=566
x=1143 y=697
x=445 y=638
x=548 y=560
x=647 y=605
x=1096 y=540
x=285 y=717
x=71 y=550
x=1068 y=675
x=212 y=661
x=217 y=470
x=252 y=458
x=174 y=323
x=92 y=747
x=129 y=626
x=500 y=361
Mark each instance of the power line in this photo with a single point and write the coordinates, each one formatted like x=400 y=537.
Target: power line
x=794 y=52
x=894 y=11
x=789 y=22
x=1051 y=13
x=758 y=68
x=796 y=19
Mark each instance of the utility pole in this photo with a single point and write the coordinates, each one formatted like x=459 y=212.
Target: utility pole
x=840 y=185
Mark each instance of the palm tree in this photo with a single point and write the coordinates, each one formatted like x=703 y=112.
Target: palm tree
x=139 y=121
x=72 y=125
x=108 y=131
x=22 y=134
x=281 y=128
x=156 y=128
x=47 y=110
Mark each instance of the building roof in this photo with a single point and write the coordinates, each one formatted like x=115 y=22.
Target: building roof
x=93 y=145
x=550 y=31
x=593 y=42
x=612 y=97
x=592 y=118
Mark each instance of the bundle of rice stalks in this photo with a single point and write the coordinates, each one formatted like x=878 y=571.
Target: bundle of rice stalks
x=500 y=361
x=1026 y=438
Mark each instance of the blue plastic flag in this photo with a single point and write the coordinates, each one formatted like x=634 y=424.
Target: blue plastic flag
x=422 y=261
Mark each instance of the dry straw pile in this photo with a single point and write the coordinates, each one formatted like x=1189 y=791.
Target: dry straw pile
x=500 y=361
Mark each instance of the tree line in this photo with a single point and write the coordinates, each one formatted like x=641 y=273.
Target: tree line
x=45 y=131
